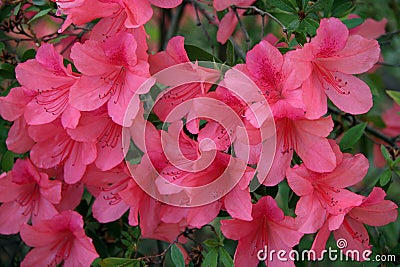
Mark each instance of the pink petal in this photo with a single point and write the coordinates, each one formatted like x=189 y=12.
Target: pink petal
x=12 y=217
x=70 y=117
x=238 y=204
x=355 y=97
x=13 y=105
x=375 y=211
x=139 y=12
x=264 y=62
x=41 y=256
x=18 y=139
x=226 y=27
x=298 y=182
x=311 y=215
x=349 y=172
x=166 y=3
x=314 y=150
x=89 y=58
x=105 y=212
x=358 y=56
x=331 y=37
x=355 y=234
x=87 y=94
x=314 y=97
x=320 y=240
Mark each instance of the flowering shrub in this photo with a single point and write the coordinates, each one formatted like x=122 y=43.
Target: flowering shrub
x=124 y=145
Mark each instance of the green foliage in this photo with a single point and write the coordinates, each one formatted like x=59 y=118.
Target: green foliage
x=352 y=136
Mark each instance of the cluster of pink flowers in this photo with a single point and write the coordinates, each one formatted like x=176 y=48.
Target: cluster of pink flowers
x=74 y=126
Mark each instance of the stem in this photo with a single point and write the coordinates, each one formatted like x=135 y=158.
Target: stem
x=242 y=27
x=264 y=13
x=173 y=27
x=376 y=133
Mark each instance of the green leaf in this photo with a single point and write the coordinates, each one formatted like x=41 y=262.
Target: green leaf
x=386 y=154
x=351 y=136
x=395 y=95
x=212 y=243
x=40 y=14
x=225 y=258
x=7 y=161
x=230 y=54
x=17 y=8
x=39 y=2
x=343 y=8
x=7 y=71
x=317 y=6
x=119 y=262
x=300 y=38
x=352 y=23
x=211 y=259
x=385 y=177
x=196 y=53
x=177 y=257
x=285 y=5
x=28 y=54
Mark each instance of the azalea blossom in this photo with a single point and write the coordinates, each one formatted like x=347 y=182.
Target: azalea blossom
x=327 y=64
x=55 y=147
x=105 y=186
x=111 y=138
x=269 y=228
x=50 y=81
x=274 y=76
x=187 y=80
x=322 y=194
x=12 y=108
x=374 y=210
x=27 y=194
x=58 y=239
x=137 y=12
x=112 y=74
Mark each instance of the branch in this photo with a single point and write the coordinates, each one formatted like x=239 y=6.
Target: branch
x=264 y=13
x=211 y=20
x=354 y=120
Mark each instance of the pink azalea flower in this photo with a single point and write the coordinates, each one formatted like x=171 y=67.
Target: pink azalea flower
x=162 y=174
x=175 y=54
x=326 y=65
x=110 y=137
x=228 y=23
x=105 y=187
x=26 y=194
x=150 y=211
x=59 y=239
x=12 y=108
x=322 y=194
x=112 y=74
x=374 y=210
x=83 y=11
x=47 y=77
x=273 y=73
x=274 y=76
x=269 y=227
x=54 y=147
x=137 y=13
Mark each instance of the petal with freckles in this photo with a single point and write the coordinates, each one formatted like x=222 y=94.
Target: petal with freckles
x=354 y=97
x=358 y=56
